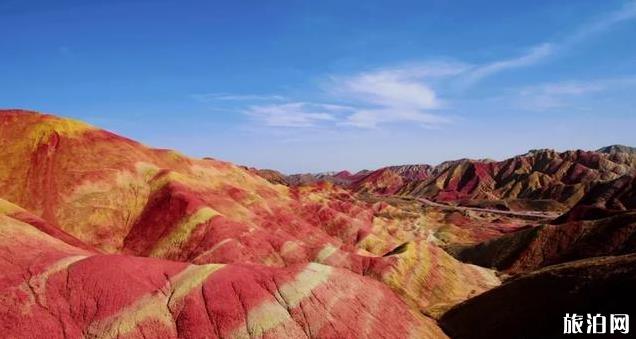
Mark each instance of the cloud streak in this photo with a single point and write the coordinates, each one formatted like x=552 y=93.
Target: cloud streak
x=625 y=13
x=547 y=49
x=380 y=96
x=211 y=97
x=534 y=55
x=567 y=94
x=394 y=95
x=555 y=95
x=293 y=114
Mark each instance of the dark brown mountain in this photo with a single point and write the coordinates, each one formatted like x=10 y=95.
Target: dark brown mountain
x=533 y=305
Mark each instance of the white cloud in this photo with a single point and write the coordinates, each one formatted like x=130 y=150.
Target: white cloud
x=210 y=97
x=371 y=118
x=390 y=88
x=570 y=88
x=388 y=95
x=402 y=94
x=544 y=50
x=625 y=13
x=533 y=56
x=561 y=94
x=293 y=114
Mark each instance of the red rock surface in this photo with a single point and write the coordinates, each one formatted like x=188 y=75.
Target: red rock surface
x=546 y=245
x=343 y=178
x=51 y=287
x=602 y=223
x=540 y=179
x=389 y=180
x=273 y=176
x=115 y=238
x=604 y=199
x=543 y=174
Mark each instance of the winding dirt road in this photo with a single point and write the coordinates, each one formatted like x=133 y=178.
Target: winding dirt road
x=535 y=215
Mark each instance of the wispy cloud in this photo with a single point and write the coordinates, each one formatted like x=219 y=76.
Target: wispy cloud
x=555 y=95
x=391 y=95
x=534 y=55
x=567 y=94
x=625 y=13
x=371 y=118
x=210 y=97
x=294 y=114
x=395 y=88
x=546 y=49
x=384 y=95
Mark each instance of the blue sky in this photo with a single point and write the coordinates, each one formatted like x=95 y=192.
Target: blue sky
x=326 y=85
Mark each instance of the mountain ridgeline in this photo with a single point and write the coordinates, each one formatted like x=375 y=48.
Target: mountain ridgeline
x=538 y=180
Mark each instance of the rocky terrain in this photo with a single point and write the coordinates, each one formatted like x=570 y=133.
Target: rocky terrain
x=533 y=305
x=539 y=180
x=104 y=237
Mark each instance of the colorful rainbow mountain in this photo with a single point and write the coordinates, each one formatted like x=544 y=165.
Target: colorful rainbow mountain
x=103 y=237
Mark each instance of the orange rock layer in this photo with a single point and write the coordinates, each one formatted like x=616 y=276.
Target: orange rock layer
x=112 y=238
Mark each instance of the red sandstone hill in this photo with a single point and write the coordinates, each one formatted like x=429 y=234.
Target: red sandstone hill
x=389 y=180
x=604 y=199
x=538 y=180
x=538 y=175
x=617 y=149
x=545 y=245
x=273 y=176
x=103 y=237
x=582 y=262
x=343 y=178
x=603 y=223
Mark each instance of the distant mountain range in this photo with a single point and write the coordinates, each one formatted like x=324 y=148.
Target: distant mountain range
x=617 y=149
x=539 y=179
